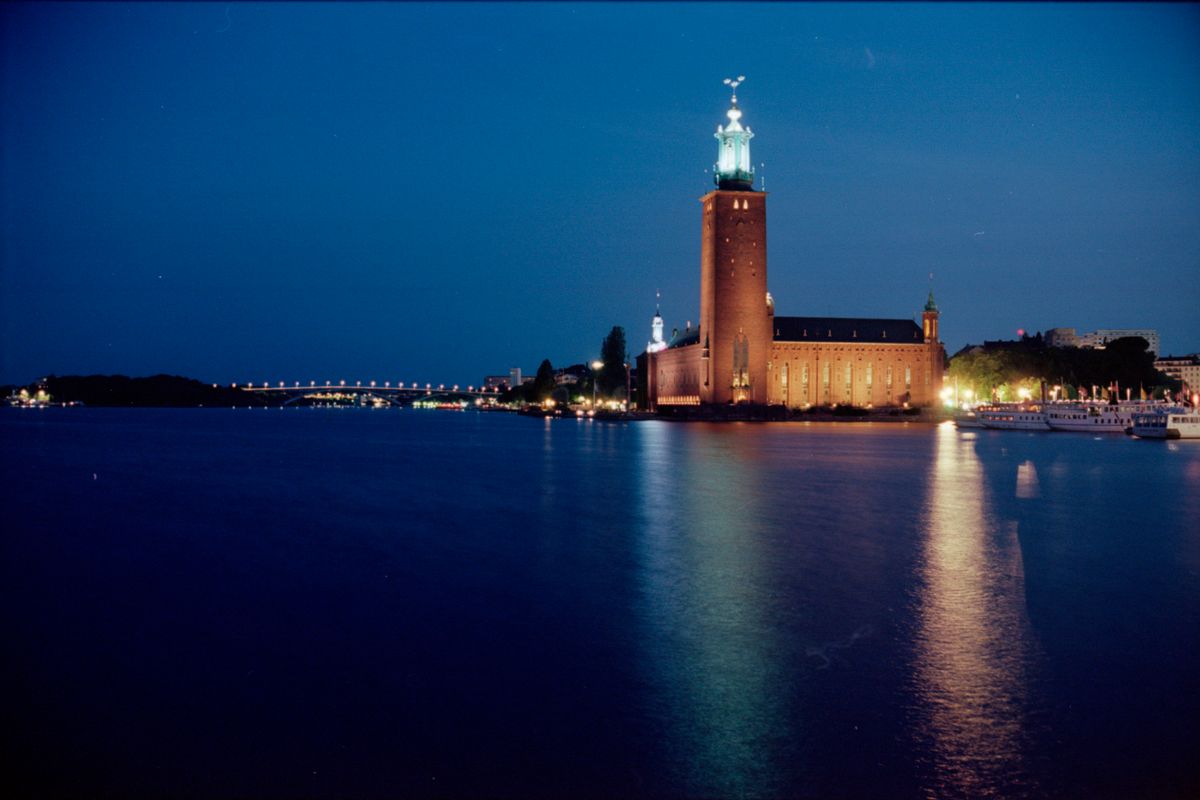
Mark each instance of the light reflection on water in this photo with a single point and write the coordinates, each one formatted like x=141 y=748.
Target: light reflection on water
x=710 y=646
x=973 y=640
x=561 y=608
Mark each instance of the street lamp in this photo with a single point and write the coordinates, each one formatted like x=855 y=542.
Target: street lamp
x=628 y=385
x=596 y=366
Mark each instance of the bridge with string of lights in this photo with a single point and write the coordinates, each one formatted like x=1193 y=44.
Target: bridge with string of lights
x=368 y=392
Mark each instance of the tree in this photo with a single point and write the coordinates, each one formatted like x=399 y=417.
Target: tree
x=543 y=382
x=1011 y=366
x=612 y=353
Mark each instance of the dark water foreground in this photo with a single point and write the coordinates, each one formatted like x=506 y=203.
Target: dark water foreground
x=340 y=603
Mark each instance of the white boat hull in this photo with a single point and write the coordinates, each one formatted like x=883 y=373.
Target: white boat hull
x=1166 y=426
x=1090 y=418
x=1012 y=419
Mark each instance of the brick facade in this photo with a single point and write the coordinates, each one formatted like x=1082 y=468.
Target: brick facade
x=735 y=319
x=841 y=373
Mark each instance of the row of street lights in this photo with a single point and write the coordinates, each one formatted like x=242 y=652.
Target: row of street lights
x=596 y=366
x=441 y=387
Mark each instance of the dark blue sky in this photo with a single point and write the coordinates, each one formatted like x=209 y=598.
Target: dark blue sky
x=408 y=192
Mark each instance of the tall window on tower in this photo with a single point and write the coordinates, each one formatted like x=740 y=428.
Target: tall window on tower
x=741 y=367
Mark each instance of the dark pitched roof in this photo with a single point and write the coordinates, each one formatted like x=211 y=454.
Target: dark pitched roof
x=847 y=329
x=684 y=337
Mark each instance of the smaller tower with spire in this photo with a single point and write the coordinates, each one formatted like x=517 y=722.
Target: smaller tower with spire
x=656 y=343
x=929 y=319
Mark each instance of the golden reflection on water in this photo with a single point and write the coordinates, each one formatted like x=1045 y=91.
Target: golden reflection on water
x=973 y=638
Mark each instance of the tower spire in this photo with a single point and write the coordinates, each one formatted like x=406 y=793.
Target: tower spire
x=733 y=84
x=733 y=169
x=656 y=343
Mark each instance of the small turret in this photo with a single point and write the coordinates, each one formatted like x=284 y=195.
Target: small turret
x=929 y=319
x=656 y=342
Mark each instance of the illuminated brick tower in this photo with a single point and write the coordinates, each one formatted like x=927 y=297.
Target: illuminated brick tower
x=735 y=309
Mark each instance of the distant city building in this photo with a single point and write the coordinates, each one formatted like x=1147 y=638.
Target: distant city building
x=1101 y=338
x=572 y=374
x=497 y=382
x=1062 y=337
x=514 y=377
x=1181 y=368
x=743 y=353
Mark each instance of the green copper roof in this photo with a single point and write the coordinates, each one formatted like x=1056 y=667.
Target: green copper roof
x=929 y=304
x=733 y=169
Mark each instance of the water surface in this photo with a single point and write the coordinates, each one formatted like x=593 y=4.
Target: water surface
x=320 y=603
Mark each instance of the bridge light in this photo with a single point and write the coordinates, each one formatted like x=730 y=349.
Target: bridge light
x=281 y=384
x=441 y=386
x=387 y=384
x=312 y=383
x=427 y=387
x=358 y=383
x=372 y=384
x=297 y=386
x=456 y=387
x=400 y=385
x=343 y=383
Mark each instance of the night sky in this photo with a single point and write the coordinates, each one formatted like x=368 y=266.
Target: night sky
x=435 y=193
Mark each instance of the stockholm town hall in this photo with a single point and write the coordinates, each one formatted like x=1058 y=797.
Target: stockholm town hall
x=743 y=353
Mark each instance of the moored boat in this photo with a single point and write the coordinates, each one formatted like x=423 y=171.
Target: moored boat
x=1013 y=416
x=1093 y=417
x=967 y=419
x=1171 y=423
